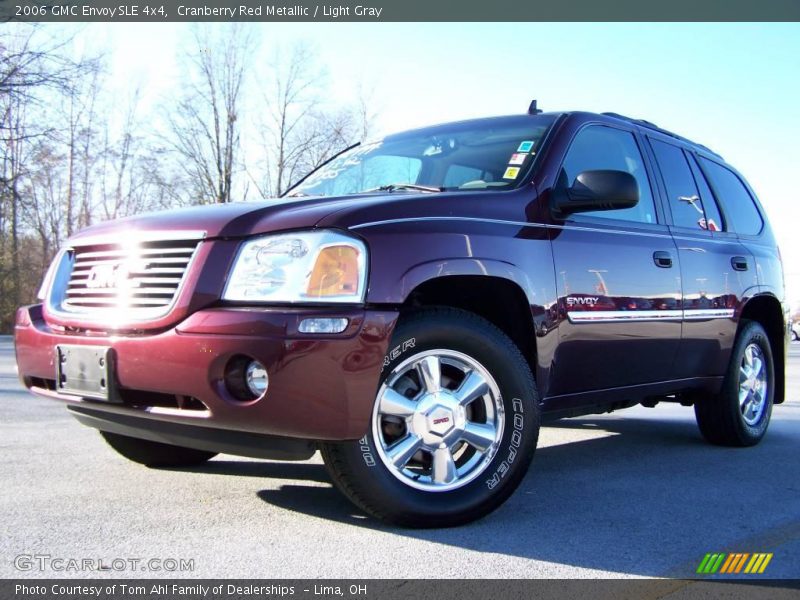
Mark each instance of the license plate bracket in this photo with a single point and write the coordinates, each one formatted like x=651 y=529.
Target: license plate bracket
x=85 y=371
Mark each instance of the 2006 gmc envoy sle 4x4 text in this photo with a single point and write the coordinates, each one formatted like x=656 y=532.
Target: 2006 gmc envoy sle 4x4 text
x=415 y=306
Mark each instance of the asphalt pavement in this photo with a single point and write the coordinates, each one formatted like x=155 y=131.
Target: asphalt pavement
x=636 y=493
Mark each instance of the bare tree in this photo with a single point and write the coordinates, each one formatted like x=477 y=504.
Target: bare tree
x=13 y=170
x=205 y=126
x=30 y=62
x=30 y=65
x=36 y=74
x=80 y=137
x=300 y=127
x=44 y=191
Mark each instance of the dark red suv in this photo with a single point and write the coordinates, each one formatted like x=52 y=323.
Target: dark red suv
x=415 y=306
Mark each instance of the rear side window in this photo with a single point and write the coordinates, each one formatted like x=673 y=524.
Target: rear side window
x=683 y=196
x=736 y=201
x=599 y=148
x=706 y=196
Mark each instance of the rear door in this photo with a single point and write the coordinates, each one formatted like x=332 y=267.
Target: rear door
x=716 y=268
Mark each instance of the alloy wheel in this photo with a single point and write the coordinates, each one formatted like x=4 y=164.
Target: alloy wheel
x=438 y=420
x=753 y=384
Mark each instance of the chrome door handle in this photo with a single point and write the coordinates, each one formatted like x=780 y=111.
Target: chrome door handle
x=662 y=259
x=739 y=263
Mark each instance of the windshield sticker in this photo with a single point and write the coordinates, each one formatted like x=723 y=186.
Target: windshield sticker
x=511 y=173
x=525 y=147
x=517 y=158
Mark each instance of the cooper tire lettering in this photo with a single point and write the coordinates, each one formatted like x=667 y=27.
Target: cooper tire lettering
x=366 y=451
x=395 y=352
x=514 y=443
x=516 y=438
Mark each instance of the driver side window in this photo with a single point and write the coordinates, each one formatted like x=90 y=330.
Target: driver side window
x=604 y=148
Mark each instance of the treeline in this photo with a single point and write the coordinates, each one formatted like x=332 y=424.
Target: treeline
x=243 y=122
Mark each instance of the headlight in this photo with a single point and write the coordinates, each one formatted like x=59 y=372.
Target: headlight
x=308 y=266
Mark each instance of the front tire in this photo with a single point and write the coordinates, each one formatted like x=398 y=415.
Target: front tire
x=155 y=454
x=454 y=426
x=739 y=415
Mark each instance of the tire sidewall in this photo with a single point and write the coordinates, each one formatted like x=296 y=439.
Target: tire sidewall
x=753 y=333
x=509 y=464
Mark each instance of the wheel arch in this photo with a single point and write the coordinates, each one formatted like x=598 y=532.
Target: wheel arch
x=766 y=309
x=500 y=300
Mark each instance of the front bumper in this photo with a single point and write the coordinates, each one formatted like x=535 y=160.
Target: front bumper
x=321 y=387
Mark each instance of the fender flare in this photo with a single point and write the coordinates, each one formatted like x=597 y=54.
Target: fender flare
x=449 y=267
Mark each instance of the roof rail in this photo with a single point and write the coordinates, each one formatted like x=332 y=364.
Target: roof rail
x=655 y=127
x=649 y=124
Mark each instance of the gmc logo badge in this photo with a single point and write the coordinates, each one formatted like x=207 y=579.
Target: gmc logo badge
x=113 y=276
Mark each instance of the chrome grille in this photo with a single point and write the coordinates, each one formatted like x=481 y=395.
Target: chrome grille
x=141 y=277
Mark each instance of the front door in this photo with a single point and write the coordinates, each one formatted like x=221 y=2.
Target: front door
x=618 y=278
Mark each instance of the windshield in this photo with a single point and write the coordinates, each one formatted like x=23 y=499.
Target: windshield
x=484 y=155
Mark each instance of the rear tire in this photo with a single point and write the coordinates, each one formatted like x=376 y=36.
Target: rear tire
x=454 y=428
x=155 y=454
x=739 y=415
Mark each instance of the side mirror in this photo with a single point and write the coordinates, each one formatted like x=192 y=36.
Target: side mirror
x=598 y=190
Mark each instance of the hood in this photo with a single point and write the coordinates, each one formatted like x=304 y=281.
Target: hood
x=241 y=219
x=236 y=219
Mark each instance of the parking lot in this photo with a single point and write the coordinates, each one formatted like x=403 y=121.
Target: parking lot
x=636 y=493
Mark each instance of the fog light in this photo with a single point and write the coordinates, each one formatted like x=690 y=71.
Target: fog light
x=246 y=378
x=320 y=325
x=256 y=378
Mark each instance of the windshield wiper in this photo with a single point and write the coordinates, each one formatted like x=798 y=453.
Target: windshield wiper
x=399 y=187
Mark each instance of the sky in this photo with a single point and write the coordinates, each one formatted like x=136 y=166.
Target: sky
x=733 y=87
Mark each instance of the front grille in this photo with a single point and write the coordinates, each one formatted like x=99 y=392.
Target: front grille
x=143 y=277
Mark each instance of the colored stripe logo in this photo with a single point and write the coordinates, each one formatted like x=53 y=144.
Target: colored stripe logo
x=734 y=563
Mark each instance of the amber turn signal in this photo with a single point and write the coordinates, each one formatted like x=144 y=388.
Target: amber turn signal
x=335 y=272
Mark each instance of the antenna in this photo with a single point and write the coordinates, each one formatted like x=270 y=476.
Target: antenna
x=532 y=110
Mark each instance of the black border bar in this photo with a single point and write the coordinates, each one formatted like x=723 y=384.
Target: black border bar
x=396 y=589
x=400 y=10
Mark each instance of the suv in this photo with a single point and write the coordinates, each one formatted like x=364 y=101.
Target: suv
x=414 y=307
